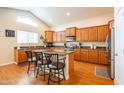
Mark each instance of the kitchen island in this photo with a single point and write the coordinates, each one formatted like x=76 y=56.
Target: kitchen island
x=20 y=57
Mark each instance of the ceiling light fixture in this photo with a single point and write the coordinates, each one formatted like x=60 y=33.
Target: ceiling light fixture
x=68 y=13
x=50 y=20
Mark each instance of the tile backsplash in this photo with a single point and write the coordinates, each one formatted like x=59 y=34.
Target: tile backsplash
x=97 y=44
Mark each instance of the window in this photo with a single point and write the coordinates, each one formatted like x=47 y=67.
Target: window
x=27 y=37
x=26 y=20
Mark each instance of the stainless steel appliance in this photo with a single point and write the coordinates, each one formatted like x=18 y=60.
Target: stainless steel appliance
x=111 y=49
x=70 y=38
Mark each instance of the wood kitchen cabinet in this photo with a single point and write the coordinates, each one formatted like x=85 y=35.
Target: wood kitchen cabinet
x=71 y=31
x=63 y=37
x=49 y=36
x=84 y=55
x=59 y=36
x=85 y=34
x=77 y=54
x=20 y=56
x=93 y=32
x=93 y=56
x=103 y=57
x=78 y=34
x=103 y=32
x=54 y=37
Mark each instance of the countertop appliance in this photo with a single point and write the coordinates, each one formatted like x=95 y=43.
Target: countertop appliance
x=49 y=44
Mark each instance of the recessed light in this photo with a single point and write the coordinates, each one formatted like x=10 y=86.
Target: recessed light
x=68 y=13
x=50 y=20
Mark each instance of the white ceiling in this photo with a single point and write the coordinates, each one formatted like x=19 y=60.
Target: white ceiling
x=55 y=16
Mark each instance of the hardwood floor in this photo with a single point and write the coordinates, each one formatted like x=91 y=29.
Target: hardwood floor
x=83 y=75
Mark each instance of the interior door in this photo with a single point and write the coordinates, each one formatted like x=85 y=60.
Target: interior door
x=119 y=46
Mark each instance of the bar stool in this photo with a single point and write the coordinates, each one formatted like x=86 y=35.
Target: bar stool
x=56 y=66
x=41 y=63
x=31 y=60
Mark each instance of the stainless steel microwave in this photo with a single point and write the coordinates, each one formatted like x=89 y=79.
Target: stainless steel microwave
x=70 y=38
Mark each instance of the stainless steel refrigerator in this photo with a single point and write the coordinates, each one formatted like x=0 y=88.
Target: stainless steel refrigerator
x=111 y=49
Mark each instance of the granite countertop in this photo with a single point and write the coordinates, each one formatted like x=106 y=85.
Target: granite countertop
x=54 y=51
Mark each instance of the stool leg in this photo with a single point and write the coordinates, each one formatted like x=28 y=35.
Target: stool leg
x=58 y=78
x=49 y=76
x=44 y=72
x=63 y=74
x=35 y=65
x=37 y=71
x=28 y=67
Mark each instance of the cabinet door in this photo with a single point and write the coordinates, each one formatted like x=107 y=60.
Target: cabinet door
x=72 y=31
x=84 y=55
x=54 y=37
x=67 y=31
x=49 y=36
x=103 y=32
x=78 y=35
x=93 y=56
x=77 y=54
x=103 y=57
x=93 y=34
x=84 y=34
x=58 y=36
x=63 y=36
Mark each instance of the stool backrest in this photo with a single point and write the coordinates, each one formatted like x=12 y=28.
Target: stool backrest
x=29 y=55
x=54 y=57
x=39 y=56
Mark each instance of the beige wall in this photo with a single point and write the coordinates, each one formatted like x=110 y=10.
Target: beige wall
x=8 y=20
x=98 y=20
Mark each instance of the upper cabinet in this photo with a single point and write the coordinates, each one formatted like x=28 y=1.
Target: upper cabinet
x=78 y=34
x=103 y=32
x=71 y=31
x=93 y=32
x=49 y=36
x=54 y=37
x=85 y=34
x=59 y=36
x=88 y=34
x=63 y=37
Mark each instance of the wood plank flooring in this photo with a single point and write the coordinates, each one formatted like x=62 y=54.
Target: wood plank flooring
x=83 y=75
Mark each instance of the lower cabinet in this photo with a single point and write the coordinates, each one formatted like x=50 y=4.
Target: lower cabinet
x=20 y=56
x=77 y=54
x=89 y=55
x=103 y=57
x=84 y=55
x=93 y=56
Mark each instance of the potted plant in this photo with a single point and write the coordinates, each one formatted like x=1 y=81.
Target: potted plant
x=44 y=40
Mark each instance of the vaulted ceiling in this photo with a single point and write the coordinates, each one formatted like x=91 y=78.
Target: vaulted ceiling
x=55 y=16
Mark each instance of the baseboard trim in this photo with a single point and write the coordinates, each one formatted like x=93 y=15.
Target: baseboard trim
x=4 y=64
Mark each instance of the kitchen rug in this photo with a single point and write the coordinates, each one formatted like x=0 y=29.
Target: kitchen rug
x=102 y=72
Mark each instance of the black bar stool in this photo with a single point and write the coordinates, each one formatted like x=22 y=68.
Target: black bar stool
x=56 y=66
x=41 y=63
x=31 y=60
